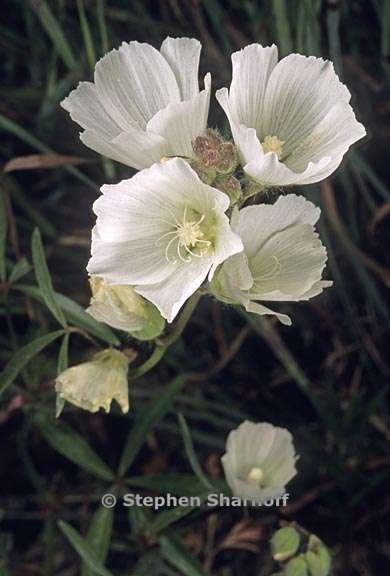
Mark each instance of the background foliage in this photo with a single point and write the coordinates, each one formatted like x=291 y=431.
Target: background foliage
x=325 y=378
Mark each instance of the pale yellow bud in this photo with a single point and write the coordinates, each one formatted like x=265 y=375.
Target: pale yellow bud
x=121 y=307
x=93 y=385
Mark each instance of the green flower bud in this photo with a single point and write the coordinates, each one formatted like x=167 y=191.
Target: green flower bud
x=284 y=543
x=93 y=385
x=317 y=557
x=296 y=567
x=121 y=307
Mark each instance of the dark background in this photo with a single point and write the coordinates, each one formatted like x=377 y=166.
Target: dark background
x=325 y=378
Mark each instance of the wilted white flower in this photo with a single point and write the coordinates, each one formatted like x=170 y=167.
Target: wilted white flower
x=144 y=104
x=93 y=385
x=121 y=307
x=283 y=257
x=162 y=231
x=291 y=120
x=259 y=460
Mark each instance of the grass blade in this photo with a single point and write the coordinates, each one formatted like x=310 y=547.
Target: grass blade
x=180 y=557
x=55 y=32
x=282 y=26
x=88 y=42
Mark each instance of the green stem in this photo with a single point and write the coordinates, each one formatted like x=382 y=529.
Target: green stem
x=162 y=344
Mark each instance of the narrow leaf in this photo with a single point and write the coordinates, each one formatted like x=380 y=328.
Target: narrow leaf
x=23 y=356
x=83 y=549
x=191 y=455
x=62 y=365
x=39 y=161
x=75 y=314
x=73 y=446
x=43 y=277
x=99 y=537
x=146 y=421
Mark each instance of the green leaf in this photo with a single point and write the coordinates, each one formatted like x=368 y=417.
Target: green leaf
x=21 y=268
x=99 y=537
x=168 y=517
x=43 y=277
x=56 y=34
x=190 y=451
x=73 y=446
x=3 y=236
x=23 y=356
x=75 y=314
x=83 y=549
x=151 y=415
x=62 y=365
x=180 y=557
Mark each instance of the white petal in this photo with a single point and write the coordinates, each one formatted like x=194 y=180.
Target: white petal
x=258 y=223
x=300 y=92
x=180 y=123
x=134 y=83
x=252 y=67
x=128 y=262
x=170 y=295
x=261 y=310
x=182 y=54
x=331 y=137
x=134 y=148
x=85 y=108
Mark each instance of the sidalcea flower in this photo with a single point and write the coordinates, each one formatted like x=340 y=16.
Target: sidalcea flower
x=291 y=121
x=283 y=257
x=259 y=460
x=93 y=385
x=163 y=231
x=121 y=307
x=144 y=104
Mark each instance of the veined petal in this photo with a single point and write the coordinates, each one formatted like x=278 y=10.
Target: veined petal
x=300 y=92
x=170 y=295
x=182 y=55
x=135 y=82
x=252 y=68
x=180 y=123
x=85 y=108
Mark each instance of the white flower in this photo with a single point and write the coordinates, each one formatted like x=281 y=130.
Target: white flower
x=93 y=385
x=259 y=460
x=283 y=258
x=162 y=231
x=121 y=307
x=291 y=120
x=143 y=104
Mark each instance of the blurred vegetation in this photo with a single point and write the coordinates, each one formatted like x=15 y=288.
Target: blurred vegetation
x=325 y=378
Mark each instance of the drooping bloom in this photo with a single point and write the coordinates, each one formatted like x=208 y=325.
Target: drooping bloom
x=283 y=257
x=93 y=385
x=121 y=307
x=291 y=121
x=259 y=460
x=144 y=104
x=162 y=231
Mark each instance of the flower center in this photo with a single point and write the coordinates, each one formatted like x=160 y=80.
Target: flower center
x=255 y=475
x=188 y=237
x=273 y=144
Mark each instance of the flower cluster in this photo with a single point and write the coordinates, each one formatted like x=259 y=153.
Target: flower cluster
x=182 y=222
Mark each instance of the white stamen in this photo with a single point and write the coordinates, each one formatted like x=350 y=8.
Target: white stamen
x=273 y=144
x=255 y=476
